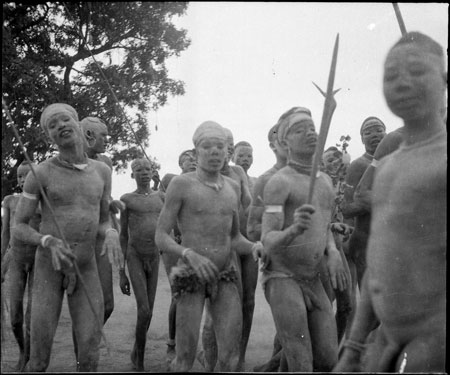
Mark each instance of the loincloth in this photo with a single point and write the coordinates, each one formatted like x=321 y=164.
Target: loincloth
x=312 y=301
x=185 y=280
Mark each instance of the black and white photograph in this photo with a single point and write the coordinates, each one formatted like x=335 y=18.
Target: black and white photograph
x=224 y=187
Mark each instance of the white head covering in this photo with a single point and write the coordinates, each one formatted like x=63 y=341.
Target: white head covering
x=53 y=109
x=208 y=129
x=289 y=118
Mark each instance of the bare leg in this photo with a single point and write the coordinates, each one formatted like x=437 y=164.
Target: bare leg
x=274 y=361
x=144 y=282
x=290 y=316
x=18 y=279
x=226 y=312
x=322 y=328
x=87 y=324
x=249 y=271
x=208 y=356
x=189 y=317
x=169 y=261
x=106 y=281
x=47 y=297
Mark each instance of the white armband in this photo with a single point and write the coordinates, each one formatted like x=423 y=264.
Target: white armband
x=183 y=254
x=44 y=239
x=109 y=230
x=374 y=163
x=29 y=196
x=273 y=209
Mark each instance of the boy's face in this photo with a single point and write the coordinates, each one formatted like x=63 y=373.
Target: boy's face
x=414 y=82
x=63 y=129
x=142 y=172
x=101 y=139
x=22 y=173
x=372 y=136
x=211 y=154
x=188 y=163
x=243 y=156
x=331 y=161
x=301 y=138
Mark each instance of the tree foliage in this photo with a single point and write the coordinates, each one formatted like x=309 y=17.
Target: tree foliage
x=52 y=53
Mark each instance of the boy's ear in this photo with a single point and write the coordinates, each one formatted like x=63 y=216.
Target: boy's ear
x=272 y=146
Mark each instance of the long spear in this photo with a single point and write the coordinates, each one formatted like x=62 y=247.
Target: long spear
x=399 y=18
x=328 y=110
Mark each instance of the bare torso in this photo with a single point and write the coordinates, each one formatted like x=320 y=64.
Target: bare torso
x=143 y=212
x=205 y=218
x=407 y=248
x=302 y=257
x=75 y=200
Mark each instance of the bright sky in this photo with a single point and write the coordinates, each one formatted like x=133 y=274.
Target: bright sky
x=249 y=62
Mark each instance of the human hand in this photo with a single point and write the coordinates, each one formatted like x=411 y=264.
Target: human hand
x=62 y=255
x=116 y=206
x=205 y=269
x=343 y=229
x=111 y=246
x=336 y=270
x=124 y=282
x=350 y=361
x=258 y=251
x=302 y=217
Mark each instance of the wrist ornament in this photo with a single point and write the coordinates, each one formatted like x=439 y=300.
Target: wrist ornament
x=44 y=239
x=183 y=254
x=355 y=345
x=255 y=246
x=110 y=230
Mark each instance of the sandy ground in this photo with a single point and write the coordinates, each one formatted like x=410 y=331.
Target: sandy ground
x=119 y=332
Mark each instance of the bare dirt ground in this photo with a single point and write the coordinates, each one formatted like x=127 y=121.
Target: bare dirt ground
x=119 y=332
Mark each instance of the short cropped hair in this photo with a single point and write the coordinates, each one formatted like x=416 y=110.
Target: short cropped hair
x=423 y=41
x=243 y=144
x=185 y=152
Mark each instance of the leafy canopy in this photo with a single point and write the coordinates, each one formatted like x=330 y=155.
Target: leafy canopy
x=50 y=54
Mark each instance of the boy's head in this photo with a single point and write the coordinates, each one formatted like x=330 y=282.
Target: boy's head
x=210 y=140
x=415 y=78
x=372 y=132
x=53 y=109
x=187 y=161
x=331 y=160
x=96 y=133
x=141 y=171
x=22 y=172
x=243 y=155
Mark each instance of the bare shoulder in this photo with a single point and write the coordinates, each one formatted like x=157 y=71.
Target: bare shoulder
x=101 y=167
x=8 y=200
x=125 y=198
x=280 y=181
x=181 y=184
x=239 y=171
x=105 y=159
x=389 y=143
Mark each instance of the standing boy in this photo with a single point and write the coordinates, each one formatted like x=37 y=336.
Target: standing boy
x=137 y=239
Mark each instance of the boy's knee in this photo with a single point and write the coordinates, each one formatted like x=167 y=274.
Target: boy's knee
x=144 y=314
